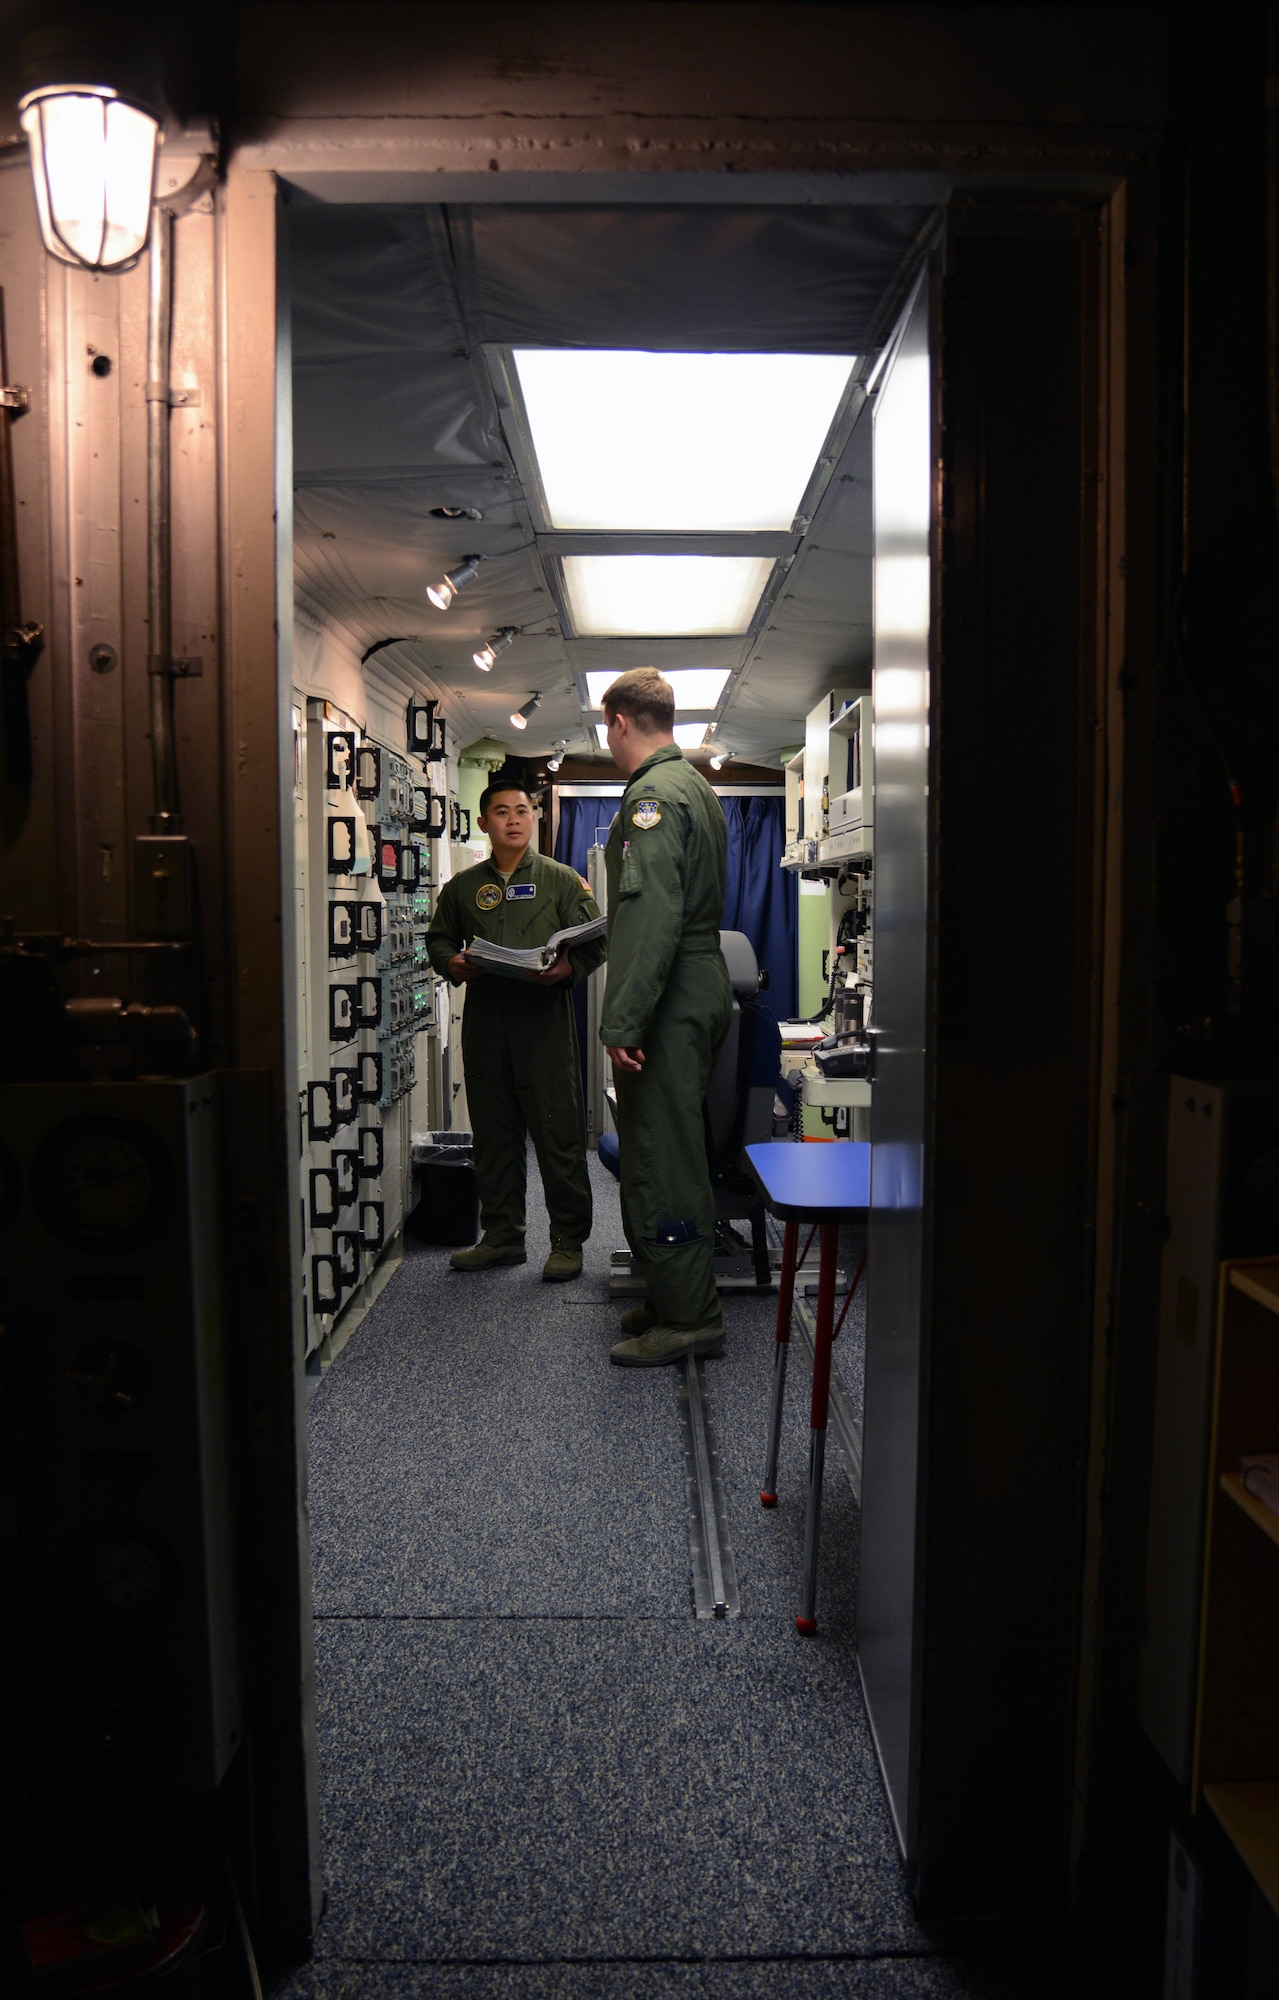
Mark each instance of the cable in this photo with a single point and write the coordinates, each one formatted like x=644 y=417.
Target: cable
x=843 y=937
x=380 y=645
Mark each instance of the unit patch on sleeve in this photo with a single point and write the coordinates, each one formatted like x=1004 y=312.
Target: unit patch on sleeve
x=647 y=813
x=487 y=896
x=521 y=892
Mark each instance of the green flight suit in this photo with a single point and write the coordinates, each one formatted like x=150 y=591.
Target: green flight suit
x=668 y=993
x=519 y=1044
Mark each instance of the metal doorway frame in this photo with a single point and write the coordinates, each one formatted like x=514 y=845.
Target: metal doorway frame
x=258 y=542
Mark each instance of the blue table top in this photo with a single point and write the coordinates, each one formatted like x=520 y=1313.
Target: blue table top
x=813 y=1183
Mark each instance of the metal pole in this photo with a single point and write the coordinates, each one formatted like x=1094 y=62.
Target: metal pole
x=165 y=817
x=781 y=1353
x=807 y=1619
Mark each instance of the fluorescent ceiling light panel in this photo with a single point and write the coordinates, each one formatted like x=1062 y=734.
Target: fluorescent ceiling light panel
x=694 y=687
x=633 y=597
x=689 y=735
x=677 y=443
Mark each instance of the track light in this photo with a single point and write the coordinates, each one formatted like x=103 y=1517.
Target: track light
x=442 y=593
x=721 y=758
x=520 y=718
x=93 y=155
x=553 y=763
x=497 y=644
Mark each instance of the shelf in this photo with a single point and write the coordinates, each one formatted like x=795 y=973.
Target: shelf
x=1259 y=1281
x=849 y=720
x=1255 y=1509
x=1249 y=1816
x=849 y=1091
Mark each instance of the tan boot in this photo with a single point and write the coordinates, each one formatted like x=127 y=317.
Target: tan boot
x=562 y=1265
x=484 y=1256
x=638 y=1319
x=669 y=1343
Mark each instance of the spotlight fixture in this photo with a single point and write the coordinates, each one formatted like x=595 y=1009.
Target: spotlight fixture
x=93 y=157
x=497 y=644
x=442 y=593
x=721 y=758
x=520 y=718
x=553 y=763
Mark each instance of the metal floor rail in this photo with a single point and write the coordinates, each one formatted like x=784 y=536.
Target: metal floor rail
x=714 y=1572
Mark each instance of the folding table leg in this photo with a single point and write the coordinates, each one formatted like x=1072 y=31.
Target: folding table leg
x=822 y=1338
x=781 y=1354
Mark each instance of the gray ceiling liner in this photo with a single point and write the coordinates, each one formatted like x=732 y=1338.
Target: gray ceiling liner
x=370 y=280
x=780 y=280
x=394 y=418
x=401 y=508
x=388 y=411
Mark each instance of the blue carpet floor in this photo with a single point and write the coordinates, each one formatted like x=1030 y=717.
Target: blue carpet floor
x=540 y=1773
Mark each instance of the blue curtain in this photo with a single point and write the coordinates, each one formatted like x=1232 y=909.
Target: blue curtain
x=580 y=819
x=583 y=824
x=760 y=897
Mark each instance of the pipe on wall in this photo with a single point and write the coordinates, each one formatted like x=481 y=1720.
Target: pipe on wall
x=165 y=817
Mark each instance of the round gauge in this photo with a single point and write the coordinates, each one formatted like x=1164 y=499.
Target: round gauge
x=124 y=1572
x=10 y=1186
x=102 y=1184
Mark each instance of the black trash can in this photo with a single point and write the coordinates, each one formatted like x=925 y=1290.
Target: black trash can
x=448 y=1204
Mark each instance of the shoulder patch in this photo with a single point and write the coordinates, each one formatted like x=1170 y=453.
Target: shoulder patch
x=488 y=896
x=585 y=884
x=647 y=813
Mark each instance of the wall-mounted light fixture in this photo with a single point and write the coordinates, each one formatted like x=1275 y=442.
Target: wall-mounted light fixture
x=721 y=758
x=520 y=718
x=553 y=763
x=497 y=644
x=93 y=156
x=442 y=593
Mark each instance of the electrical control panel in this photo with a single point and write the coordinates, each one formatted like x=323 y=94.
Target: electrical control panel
x=830 y=824
x=370 y=817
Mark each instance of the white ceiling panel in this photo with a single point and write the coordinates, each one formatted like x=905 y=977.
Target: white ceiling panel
x=632 y=596
x=693 y=687
x=688 y=443
x=689 y=735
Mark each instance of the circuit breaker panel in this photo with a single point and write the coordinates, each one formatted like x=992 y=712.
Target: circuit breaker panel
x=369 y=824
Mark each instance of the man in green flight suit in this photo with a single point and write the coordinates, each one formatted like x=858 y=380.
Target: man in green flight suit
x=667 y=1007
x=519 y=1038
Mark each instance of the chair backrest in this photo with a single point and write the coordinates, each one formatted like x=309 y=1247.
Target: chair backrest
x=739 y=1097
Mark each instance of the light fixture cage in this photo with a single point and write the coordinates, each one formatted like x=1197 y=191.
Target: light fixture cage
x=93 y=163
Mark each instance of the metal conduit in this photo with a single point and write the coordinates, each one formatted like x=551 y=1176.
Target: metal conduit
x=165 y=817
